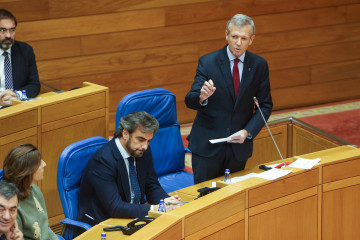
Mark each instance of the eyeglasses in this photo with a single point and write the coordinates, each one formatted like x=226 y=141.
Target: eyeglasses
x=5 y=30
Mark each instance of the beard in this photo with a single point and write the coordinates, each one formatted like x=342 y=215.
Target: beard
x=137 y=153
x=6 y=46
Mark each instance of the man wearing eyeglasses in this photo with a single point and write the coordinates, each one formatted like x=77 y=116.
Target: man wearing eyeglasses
x=18 y=69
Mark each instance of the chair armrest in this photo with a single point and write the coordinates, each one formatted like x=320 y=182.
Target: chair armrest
x=68 y=221
x=187 y=150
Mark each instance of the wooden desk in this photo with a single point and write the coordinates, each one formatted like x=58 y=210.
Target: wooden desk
x=52 y=122
x=320 y=203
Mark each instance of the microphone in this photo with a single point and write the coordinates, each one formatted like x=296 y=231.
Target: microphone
x=257 y=104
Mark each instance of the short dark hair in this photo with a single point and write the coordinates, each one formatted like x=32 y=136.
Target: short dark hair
x=9 y=190
x=5 y=14
x=132 y=121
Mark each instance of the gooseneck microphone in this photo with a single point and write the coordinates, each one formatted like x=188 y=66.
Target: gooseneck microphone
x=257 y=104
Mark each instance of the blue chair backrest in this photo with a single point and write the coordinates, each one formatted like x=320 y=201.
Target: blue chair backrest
x=72 y=163
x=167 y=146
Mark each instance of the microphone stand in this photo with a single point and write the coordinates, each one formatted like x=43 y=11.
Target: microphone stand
x=257 y=104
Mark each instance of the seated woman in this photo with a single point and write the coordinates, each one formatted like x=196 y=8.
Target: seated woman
x=23 y=166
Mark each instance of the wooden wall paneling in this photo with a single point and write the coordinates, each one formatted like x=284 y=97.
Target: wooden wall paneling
x=149 y=38
x=291 y=77
x=308 y=37
x=27 y=10
x=95 y=64
x=203 y=12
x=56 y=48
x=335 y=71
x=315 y=94
x=61 y=8
x=305 y=141
x=312 y=55
x=85 y=25
x=353 y=13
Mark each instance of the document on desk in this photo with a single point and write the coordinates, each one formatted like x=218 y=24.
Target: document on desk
x=238 y=179
x=305 y=163
x=273 y=174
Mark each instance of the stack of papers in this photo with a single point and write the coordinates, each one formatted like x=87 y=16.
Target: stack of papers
x=273 y=174
x=305 y=163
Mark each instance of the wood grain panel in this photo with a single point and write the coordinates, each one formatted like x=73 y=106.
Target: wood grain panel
x=298 y=221
x=16 y=122
x=56 y=48
x=226 y=9
x=305 y=141
x=148 y=38
x=6 y=147
x=342 y=170
x=268 y=152
x=291 y=77
x=283 y=187
x=85 y=25
x=315 y=94
x=312 y=55
x=308 y=37
x=73 y=107
x=105 y=63
x=233 y=232
x=64 y=8
x=335 y=71
x=27 y=10
x=353 y=13
x=341 y=214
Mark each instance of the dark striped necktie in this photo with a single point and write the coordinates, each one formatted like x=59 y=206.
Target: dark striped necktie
x=134 y=180
x=8 y=72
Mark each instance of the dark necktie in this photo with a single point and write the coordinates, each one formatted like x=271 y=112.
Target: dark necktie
x=8 y=72
x=134 y=180
x=236 y=77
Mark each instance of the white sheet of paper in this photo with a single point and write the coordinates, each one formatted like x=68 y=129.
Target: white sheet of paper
x=304 y=163
x=241 y=178
x=219 y=140
x=273 y=174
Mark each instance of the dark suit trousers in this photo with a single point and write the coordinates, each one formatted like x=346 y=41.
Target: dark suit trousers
x=208 y=168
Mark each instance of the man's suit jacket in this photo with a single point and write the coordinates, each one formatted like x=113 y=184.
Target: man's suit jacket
x=24 y=70
x=224 y=115
x=105 y=190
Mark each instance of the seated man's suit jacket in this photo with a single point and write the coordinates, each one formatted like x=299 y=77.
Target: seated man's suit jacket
x=24 y=70
x=105 y=190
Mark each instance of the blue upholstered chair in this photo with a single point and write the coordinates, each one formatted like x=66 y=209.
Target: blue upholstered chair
x=167 y=146
x=72 y=163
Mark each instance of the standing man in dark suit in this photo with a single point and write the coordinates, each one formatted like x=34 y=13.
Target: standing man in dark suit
x=18 y=69
x=111 y=185
x=222 y=94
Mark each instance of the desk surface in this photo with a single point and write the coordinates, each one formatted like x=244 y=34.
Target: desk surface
x=236 y=193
